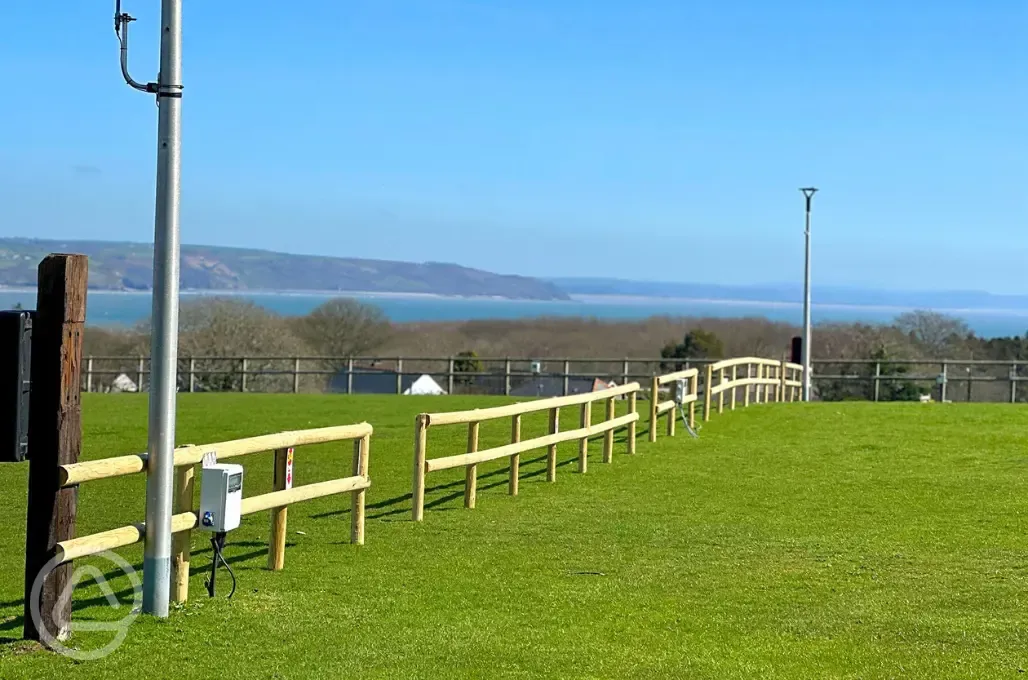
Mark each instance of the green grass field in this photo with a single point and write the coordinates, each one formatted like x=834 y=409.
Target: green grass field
x=790 y=541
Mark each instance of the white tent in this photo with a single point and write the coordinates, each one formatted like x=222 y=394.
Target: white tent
x=425 y=385
x=123 y=383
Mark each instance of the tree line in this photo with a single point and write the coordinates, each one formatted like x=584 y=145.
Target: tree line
x=220 y=329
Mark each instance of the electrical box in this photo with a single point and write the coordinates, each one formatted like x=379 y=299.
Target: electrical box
x=15 y=384
x=221 y=497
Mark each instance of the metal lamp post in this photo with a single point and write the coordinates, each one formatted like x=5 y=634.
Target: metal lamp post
x=808 y=194
x=160 y=466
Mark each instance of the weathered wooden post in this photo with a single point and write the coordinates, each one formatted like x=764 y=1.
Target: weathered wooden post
x=55 y=438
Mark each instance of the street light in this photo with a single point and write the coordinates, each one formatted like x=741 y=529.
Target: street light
x=808 y=193
x=160 y=466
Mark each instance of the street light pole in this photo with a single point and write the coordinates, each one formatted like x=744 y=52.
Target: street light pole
x=808 y=194
x=160 y=463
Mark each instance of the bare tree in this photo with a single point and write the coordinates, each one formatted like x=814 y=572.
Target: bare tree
x=225 y=330
x=937 y=334
x=344 y=327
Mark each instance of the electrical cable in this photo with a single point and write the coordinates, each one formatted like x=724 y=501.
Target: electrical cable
x=218 y=556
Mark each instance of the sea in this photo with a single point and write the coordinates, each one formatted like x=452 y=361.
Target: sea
x=110 y=308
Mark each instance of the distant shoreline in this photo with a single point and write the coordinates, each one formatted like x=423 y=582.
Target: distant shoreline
x=235 y=292
x=584 y=299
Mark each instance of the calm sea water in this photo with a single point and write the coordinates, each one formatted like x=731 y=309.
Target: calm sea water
x=124 y=309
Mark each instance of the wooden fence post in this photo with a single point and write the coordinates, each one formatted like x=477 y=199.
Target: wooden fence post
x=624 y=372
x=506 y=377
x=279 y=516
x=471 y=471
x=585 y=420
x=1013 y=383
x=654 y=395
x=242 y=375
x=296 y=375
x=608 y=436
x=182 y=542
x=89 y=374
x=878 y=377
x=735 y=375
x=706 y=393
x=361 y=453
x=721 y=394
x=420 y=444
x=749 y=388
x=55 y=438
x=784 y=369
x=551 y=452
x=671 y=414
x=515 y=459
x=449 y=376
x=694 y=383
x=631 y=425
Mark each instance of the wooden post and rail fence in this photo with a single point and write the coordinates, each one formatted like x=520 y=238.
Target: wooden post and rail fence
x=553 y=405
x=767 y=380
x=70 y=476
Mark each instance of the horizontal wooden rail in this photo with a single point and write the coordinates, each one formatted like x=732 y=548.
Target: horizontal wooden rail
x=84 y=546
x=478 y=415
x=678 y=375
x=763 y=380
x=690 y=377
x=307 y=492
x=553 y=405
x=277 y=501
x=465 y=459
x=88 y=471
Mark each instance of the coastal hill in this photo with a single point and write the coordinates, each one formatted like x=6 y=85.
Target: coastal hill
x=128 y=266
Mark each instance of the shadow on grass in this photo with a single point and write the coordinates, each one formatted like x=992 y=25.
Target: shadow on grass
x=125 y=596
x=391 y=510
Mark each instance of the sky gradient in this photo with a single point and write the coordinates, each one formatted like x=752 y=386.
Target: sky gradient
x=651 y=140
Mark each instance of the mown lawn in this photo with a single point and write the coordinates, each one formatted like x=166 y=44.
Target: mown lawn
x=790 y=541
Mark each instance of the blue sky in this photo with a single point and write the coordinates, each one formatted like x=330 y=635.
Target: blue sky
x=655 y=140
